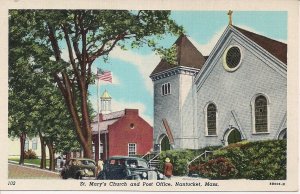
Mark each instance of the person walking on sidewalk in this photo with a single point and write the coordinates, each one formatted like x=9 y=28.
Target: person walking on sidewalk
x=168 y=168
x=99 y=166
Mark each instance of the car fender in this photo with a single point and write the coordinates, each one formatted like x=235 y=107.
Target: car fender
x=80 y=172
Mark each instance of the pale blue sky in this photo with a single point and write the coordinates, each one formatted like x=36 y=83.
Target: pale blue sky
x=131 y=69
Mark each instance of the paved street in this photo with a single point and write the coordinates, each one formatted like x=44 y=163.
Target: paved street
x=24 y=172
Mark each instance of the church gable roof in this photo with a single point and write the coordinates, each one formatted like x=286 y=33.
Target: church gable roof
x=270 y=48
x=276 y=48
x=187 y=55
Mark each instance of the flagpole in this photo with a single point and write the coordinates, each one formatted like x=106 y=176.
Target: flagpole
x=98 y=112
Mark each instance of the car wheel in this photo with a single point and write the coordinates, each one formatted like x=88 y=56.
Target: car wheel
x=63 y=175
x=101 y=176
x=104 y=176
x=137 y=177
x=79 y=176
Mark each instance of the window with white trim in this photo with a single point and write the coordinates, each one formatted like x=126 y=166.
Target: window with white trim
x=26 y=147
x=34 y=144
x=211 y=119
x=131 y=149
x=261 y=114
x=166 y=89
x=232 y=58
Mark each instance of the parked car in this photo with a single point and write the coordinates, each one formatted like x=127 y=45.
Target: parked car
x=130 y=168
x=79 y=168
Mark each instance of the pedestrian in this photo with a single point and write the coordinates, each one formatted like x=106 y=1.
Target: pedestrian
x=99 y=166
x=168 y=168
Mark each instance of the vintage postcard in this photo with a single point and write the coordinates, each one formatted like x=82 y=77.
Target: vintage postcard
x=149 y=95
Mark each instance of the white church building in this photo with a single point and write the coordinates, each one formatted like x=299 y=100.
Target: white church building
x=238 y=92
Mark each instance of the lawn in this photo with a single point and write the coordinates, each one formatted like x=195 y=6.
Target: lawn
x=31 y=161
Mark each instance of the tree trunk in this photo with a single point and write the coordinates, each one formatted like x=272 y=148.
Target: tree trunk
x=51 y=155
x=87 y=149
x=81 y=123
x=22 y=148
x=68 y=156
x=43 y=152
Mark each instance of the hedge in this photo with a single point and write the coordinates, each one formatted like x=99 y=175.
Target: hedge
x=218 y=168
x=180 y=158
x=260 y=160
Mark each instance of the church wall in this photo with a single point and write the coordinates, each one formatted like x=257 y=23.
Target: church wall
x=167 y=107
x=233 y=91
x=187 y=104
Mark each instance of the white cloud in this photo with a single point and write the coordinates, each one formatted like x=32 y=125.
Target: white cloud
x=65 y=54
x=205 y=49
x=144 y=63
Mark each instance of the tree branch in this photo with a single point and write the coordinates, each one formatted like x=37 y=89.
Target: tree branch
x=76 y=38
x=83 y=50
x=72 y=60
x=101 y=50
x=54 y=43
x=65 y=87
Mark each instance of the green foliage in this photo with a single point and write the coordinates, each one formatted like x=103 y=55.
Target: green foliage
x=218 y=168
x=30 y=154
x=180 y=159
x=260 y=160
x=169 y=55
x=37 y=39
x=36 y=161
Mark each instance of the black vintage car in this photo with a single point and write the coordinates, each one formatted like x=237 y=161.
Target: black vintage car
x=130 y=168
x=79 y=168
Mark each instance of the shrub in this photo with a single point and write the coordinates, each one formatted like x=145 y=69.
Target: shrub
x=180 y=159
x=30 y=154
x=218 y=168
x=260 y=160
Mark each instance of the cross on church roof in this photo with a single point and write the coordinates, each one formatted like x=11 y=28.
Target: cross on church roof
x=230 y=16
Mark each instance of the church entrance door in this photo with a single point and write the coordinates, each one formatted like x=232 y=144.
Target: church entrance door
x=165 y=144
x=234 y=136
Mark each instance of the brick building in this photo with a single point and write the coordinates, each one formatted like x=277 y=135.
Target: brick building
x=121 y=133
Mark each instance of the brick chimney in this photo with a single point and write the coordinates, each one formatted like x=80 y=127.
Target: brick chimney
x=131 y=112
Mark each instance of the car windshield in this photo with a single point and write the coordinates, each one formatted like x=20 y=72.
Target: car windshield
x=87 y=162
x=137 y=163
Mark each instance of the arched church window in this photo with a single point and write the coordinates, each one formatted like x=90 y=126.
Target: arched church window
x=211 y=119
x=261 y=114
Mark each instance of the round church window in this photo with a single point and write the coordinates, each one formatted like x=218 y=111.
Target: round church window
x=232 y=58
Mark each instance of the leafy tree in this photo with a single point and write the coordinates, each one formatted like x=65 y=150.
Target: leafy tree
x=87 y=35
x=20 y=91
x=53 y=122
x=36 y=106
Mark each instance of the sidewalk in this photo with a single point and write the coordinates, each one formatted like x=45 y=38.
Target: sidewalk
x=16 y=171
x=57 y=170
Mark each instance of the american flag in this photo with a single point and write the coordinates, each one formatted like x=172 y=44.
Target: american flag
x=104 y=75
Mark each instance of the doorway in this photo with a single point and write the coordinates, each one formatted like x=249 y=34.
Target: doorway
x=165 y=143
x=234 y=136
